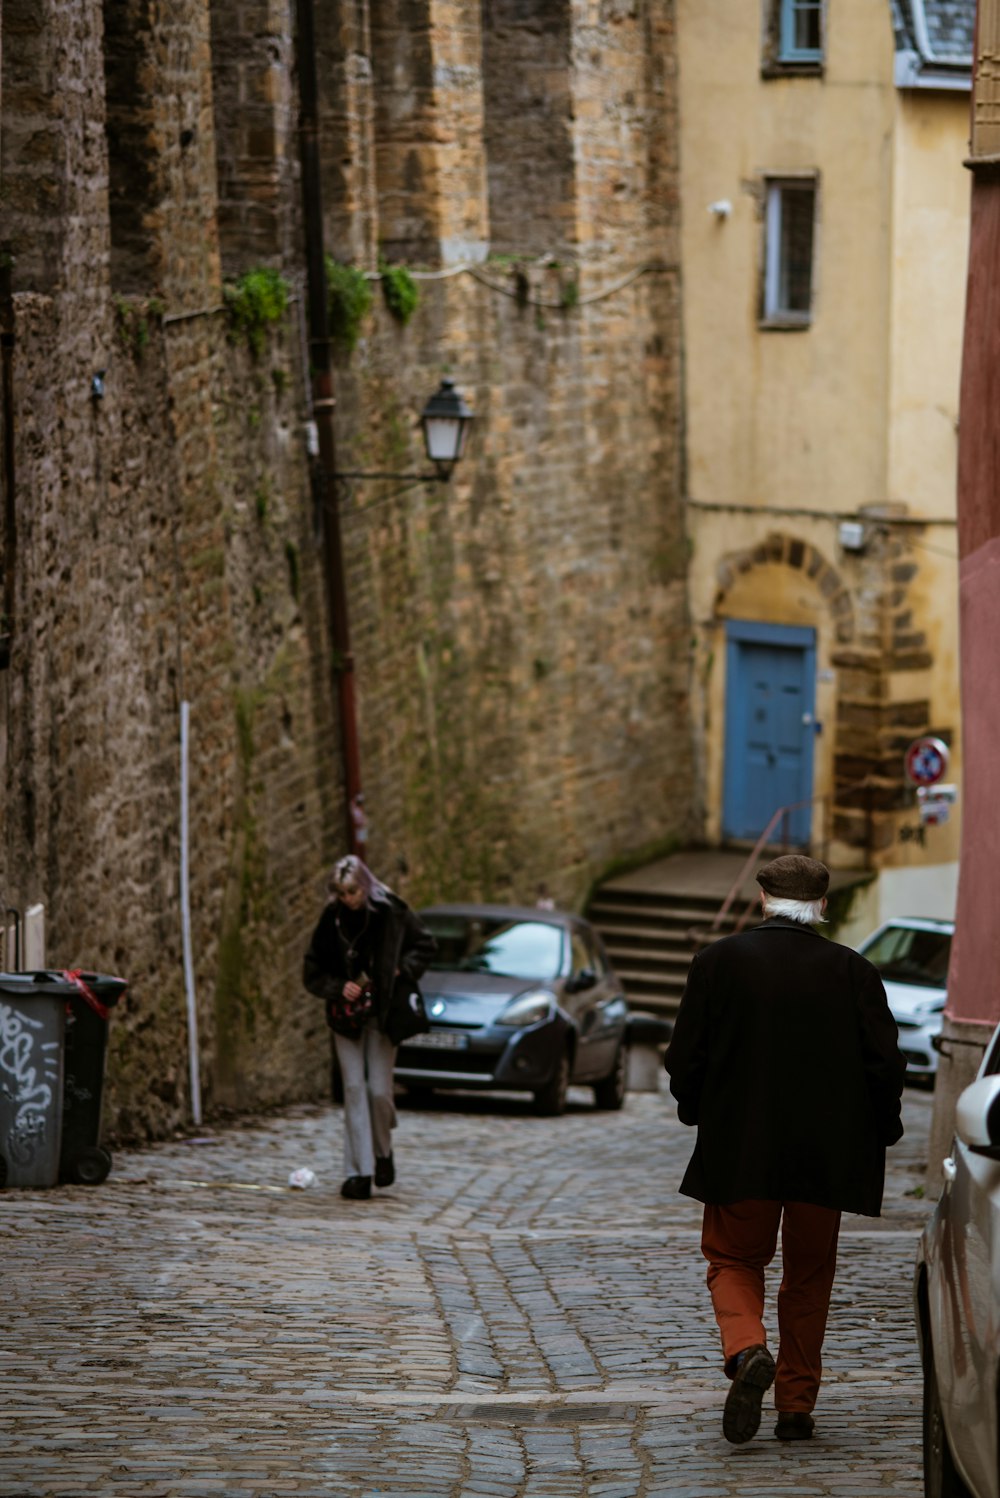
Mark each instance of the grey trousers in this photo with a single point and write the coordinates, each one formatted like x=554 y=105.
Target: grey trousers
x=369 y=1111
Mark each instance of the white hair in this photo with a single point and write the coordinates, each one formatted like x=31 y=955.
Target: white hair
x=354 y=870
x=808 y=912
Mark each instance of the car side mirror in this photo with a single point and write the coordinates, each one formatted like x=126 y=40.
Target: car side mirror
x=581 y=981
x=977 y=1117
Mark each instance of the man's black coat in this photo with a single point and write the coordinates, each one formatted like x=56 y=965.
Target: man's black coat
x=784 y=1054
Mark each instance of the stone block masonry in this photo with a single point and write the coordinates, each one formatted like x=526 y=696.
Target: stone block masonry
x=528 y=623
x=520 y=635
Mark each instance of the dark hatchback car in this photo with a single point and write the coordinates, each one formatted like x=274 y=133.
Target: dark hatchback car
x=519 y=1000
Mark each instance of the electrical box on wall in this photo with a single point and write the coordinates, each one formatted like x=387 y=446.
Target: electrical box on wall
x=851 y=535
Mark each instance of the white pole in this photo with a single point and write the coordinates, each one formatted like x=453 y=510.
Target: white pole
x=192 y=1008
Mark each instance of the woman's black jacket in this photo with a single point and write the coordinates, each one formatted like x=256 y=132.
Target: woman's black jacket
x=401 y=949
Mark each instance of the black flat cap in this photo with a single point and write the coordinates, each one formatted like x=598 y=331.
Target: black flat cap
x=794 y=877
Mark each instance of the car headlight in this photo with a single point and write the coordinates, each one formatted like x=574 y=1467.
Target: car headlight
x=528 y=1009
x=925 y=1006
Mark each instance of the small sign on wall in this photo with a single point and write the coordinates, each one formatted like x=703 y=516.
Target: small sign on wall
x=935 y=802
x=926 y=761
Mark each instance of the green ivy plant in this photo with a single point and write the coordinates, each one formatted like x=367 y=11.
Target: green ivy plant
x=253 y=303
x=133 y=322
x=349 y=300
x=400 y=291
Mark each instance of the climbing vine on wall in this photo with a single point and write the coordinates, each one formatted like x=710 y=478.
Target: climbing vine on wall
x=253 y=303
x=399 y=290
x=349 y=300
x=134 y=322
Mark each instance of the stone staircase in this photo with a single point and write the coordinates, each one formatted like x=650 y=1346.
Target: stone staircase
x=651 y=932
x=654 y=919
x=651 y=939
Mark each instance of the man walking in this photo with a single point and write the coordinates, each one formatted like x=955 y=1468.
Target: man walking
x=784 y=1055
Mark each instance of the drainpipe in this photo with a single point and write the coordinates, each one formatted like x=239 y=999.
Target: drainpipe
x=323 y=405
x=9 y=516
x=194 y=1065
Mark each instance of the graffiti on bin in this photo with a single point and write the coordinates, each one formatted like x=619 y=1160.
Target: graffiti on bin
x=74 y=1093
x=26 y=1060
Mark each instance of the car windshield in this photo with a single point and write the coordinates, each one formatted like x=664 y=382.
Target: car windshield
x=508 y=949
x=905 y=955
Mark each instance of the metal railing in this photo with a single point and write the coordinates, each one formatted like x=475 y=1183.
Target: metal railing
x=782 y=815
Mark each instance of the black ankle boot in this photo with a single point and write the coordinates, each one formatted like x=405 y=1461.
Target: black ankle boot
x=358 y=1188
x=385 y=1171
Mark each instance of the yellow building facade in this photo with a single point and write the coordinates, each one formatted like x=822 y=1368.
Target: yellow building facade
x=825 y=232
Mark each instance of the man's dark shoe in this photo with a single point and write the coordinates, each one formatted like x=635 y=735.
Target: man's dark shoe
x=753 y=1377
x=358 y=1188
x=796 y=1426
x=385 y=1171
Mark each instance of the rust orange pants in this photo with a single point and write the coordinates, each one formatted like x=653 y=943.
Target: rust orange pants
x=739 y=1241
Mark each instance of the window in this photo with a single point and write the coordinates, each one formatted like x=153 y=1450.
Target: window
x=793 y=38
x=579 y=953
x=801 y=31
x=904 y=954
x=598 y=956
x=532 y=950
x=790 y=212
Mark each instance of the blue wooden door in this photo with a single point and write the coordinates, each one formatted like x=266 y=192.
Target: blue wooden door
x=770 y=702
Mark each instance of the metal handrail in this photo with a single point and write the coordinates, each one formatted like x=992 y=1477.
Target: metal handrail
x=781 y=814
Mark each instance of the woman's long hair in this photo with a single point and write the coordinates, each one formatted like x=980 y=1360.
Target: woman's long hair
x=353 y=870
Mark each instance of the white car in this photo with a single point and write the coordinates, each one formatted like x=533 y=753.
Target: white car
x=957 y=1301
x=911 y=955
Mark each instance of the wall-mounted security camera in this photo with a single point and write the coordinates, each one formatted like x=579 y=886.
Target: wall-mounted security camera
x=721 y=208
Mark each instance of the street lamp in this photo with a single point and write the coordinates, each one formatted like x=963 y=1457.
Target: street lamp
x=445 y=419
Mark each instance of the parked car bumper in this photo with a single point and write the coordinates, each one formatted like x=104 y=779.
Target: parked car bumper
x=916 y=1044
x=488 y=1057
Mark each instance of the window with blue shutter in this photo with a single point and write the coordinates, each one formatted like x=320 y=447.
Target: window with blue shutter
x=801 y=31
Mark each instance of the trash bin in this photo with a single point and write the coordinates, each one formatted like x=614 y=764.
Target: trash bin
x=90 y=999
x=32 y=1030
x=53 y=1043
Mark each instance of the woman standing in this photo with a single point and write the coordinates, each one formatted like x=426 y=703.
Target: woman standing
x=364 y=959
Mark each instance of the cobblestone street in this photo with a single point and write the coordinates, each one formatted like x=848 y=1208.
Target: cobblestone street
x=523 y=1315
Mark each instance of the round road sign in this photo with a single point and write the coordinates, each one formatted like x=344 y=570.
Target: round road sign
x=926 y=761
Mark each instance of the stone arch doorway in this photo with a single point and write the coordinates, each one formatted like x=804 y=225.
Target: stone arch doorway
x=804 y=561
x=782 y=614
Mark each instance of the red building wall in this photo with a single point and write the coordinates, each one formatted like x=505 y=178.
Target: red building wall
x=973 y=1006
x=974 y=980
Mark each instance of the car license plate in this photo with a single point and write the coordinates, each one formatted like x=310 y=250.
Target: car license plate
x=440 y=1040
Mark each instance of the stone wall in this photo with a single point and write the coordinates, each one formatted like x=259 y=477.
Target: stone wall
x=522 y=631
x=520 y=635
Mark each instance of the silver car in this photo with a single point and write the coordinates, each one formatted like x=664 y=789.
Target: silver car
x=912 y=954
x=957 y=1301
